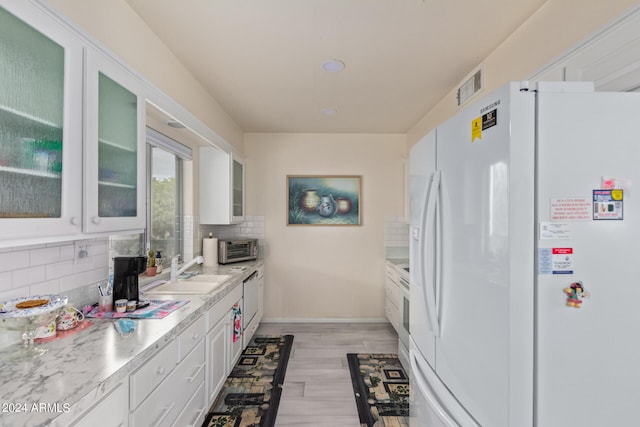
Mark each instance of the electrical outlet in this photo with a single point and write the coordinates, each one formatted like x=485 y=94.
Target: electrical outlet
x=82 y=250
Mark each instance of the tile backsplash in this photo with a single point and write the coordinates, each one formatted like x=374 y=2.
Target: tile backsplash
x=396 y=237
x=53 y=269
x=251 y=228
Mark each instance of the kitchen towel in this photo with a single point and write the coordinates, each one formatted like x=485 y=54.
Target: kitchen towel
x=210 y=251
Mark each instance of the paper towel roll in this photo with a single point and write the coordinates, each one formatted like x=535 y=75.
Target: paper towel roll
x=210 y=251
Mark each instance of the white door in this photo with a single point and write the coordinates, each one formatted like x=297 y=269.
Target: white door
x=587 y=358
x=422 y=168
x=485 y=158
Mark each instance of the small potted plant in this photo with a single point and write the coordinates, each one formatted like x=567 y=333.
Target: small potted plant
x=151 y=264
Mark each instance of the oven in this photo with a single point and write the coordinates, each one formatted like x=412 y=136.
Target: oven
x=403 y=316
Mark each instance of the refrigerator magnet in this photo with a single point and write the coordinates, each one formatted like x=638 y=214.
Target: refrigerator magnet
x=608 y=204
x=575 y=294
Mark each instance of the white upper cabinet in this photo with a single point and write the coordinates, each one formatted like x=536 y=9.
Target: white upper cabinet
x=114 y=155
x=221 y=187
x=40 y=125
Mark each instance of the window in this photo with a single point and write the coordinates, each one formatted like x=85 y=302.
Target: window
x=165 y=213
x=164 y=202
x=164 y=194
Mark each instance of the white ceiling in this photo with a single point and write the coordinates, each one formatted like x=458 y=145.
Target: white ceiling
x=262 y=59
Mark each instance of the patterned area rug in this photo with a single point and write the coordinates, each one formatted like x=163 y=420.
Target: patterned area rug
x=251 y=393
x=381 y=387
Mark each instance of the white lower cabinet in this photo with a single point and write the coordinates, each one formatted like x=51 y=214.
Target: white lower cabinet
x=235 y=348
x=111 y=411
x=222 y=350
x=392 y=296
x=217 y=356
x=166 y=402
x=167 y=390
x=146 y=378
x=179 y=383
x=193 y=414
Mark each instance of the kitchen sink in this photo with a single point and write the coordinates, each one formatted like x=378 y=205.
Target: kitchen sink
x=198 y=285
x=218 y=278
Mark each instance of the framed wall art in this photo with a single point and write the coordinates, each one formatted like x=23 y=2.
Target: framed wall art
x=324 y=200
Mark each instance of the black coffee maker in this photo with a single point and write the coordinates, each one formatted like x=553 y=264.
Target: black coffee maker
x=125 y=276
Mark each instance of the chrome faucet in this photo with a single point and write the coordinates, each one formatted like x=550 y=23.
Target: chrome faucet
x=175 y=271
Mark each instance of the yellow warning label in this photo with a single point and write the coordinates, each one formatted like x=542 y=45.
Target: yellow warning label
x=476 y=129
x=616 y=194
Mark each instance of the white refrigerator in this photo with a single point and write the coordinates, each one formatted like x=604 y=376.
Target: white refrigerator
x=525 y=261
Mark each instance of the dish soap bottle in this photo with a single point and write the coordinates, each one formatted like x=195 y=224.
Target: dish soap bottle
x=159 y=262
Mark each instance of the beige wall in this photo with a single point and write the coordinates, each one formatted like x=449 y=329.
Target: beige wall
x=556 y=27
x=324 y=272
x=114 y=24
x=330 y=272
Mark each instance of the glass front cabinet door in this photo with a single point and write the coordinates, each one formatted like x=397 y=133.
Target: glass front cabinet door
x=237 y=184
x=114 y=163
x=40 y=126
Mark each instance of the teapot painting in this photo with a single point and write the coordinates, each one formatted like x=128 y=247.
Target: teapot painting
x=328 y=206
x=324 y=200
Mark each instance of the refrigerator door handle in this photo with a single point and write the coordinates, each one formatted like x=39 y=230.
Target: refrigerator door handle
x=440 y=232
x=428 y=223
x=425 y=391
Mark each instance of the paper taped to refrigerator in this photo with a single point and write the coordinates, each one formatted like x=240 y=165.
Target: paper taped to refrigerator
x=607 y=204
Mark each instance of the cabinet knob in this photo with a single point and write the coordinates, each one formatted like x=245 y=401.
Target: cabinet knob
x=161 y=370
x=75 y=220
x=96 y=220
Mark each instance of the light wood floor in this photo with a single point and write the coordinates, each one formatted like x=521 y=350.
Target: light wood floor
x=317 y=389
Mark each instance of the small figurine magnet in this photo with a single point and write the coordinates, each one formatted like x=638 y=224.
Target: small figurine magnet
x=575 y=293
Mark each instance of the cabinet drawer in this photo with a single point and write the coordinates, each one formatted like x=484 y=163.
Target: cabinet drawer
x=392 y=313
x=391 y=272
x=221 y=308
x=392 y=292
x=167 y=401
x=191 y=336
x=193 y=414
x=148 y=376
x=112 y=410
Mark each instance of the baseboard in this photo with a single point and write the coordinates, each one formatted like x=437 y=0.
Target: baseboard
x=324 y=320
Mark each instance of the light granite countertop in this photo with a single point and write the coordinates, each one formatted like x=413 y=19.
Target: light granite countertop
x=399 y=262
x=77 y=370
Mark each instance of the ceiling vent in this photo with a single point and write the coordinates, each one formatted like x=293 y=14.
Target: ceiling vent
x=470 y=87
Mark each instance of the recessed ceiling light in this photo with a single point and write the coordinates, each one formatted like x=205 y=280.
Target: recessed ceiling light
x=329 y=111
x=333 y=66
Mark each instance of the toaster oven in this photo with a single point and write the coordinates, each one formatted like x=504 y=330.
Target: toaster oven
x=236 y=250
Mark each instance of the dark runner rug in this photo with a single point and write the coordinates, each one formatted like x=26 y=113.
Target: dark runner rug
x=251 y=394
x=381 y=388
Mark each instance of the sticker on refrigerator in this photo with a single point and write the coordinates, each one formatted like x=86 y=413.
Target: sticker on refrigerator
x=484 y=122
x=545 y=261
x=616 y=183
x=476 y=129
x=554 y=230
x=607 y=204
x=570 y=209
x=490 y=119
x=555 y=261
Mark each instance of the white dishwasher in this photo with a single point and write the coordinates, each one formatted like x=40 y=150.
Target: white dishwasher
x=251 y=296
